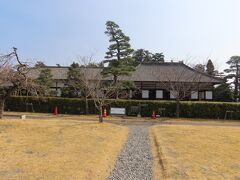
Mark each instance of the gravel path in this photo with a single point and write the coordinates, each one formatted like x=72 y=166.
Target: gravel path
x=135 y=160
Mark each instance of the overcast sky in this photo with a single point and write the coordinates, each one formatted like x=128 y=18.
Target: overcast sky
x=56 y=31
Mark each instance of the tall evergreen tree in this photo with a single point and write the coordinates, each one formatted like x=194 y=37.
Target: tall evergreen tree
x=141 y=55
x=210 y=67
x=119 y=52
x=40 y=64
x=74 y=82
x=158 y=57
x=223 y=93
x=78 y=83
x=200 y=67
x=233 y=73
x=45 y=80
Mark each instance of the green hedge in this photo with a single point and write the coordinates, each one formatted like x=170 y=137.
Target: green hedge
x=194 y=109
x=46 y=105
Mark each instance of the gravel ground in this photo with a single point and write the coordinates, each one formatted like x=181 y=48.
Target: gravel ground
x=135 y=160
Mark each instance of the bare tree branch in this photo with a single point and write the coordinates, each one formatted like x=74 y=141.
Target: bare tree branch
x=181 y=82
x=13 y=77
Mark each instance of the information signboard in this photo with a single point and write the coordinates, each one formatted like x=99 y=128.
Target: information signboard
x=118 y=111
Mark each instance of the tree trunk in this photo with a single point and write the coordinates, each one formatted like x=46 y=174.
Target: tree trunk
x=235 y=91
x=236 y=86
x=117 y=95
x=86 y=105
x=100 y=114
x=2 y=102
x=178 y=108
x=115 y=78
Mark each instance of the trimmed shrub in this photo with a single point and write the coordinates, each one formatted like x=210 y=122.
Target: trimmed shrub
x=45 y=105
x=188 y=109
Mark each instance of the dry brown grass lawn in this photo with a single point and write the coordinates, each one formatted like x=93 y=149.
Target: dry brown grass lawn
x=198 y=152
x=76 y=117
x=58 y=149
x=209 y=121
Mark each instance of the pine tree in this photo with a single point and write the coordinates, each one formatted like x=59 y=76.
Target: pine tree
x=200 y=67
x=142 y=55
x=223 y=93
x=78 y=83
x=210 y=67
x=119 y=52
x=233 y=73
x=158 y=57
x=74 y=82
x=40 y=64
x=45 y=80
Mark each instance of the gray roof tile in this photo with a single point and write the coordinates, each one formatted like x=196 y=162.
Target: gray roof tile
x=144 y=72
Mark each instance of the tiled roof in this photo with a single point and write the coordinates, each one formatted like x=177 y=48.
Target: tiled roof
x=164 y=72
x=168 y=71
x=60 y=73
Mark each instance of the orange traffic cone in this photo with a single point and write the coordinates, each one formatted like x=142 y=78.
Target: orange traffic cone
x=104 y=112
x=153 y=115
x=55 y=110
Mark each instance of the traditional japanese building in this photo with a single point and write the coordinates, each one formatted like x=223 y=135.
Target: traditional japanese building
x=152 y=81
